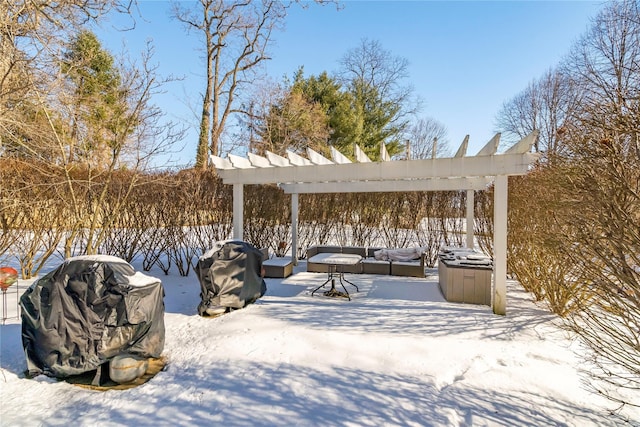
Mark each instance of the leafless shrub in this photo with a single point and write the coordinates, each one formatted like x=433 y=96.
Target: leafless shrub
x=212 y=208
x=267 y=210
x=317 y=219
x=362 y=217
x=483 y=220
x=429 y=233
x=574 y=233
x=602 y=170
x=537 y=240
x=155 y=250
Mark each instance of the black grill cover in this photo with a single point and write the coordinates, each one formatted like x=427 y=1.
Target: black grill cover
x=87 y=311
x=230 y=276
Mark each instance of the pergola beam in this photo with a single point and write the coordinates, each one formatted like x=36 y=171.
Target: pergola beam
x=445 y=184
x=503 y=164
x=462 y=151
x=491 y=147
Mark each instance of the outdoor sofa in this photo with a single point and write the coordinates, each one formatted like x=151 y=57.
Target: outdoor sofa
x=374 y=260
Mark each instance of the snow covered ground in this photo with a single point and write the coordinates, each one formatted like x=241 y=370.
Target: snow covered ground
x=398 y=354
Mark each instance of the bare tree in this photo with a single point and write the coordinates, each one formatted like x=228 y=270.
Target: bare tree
x=290 y=122
x=427 y=138
x=236 y=35
x=544 y=106
x=376 y=67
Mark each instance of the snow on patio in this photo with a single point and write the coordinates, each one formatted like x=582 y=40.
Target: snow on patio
x=397 y=354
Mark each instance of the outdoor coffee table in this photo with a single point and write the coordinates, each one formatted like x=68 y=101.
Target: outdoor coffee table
x=335 y=262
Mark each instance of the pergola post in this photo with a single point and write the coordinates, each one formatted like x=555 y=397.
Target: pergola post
x=500 y=245
x=238 y=208
x=470 y=218
x=294 y=228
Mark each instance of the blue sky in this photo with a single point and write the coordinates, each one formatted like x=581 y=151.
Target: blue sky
x=466 y=58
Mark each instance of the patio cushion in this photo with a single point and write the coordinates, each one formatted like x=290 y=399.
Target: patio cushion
x=404 y=254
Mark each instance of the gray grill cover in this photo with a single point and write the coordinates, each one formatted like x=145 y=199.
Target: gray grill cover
x=230 y=276
x=87 y=311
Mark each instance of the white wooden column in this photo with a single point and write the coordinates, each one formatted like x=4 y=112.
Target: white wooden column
x=470 y=218
x=294 y=228
x=238 y=211
x=500 y=245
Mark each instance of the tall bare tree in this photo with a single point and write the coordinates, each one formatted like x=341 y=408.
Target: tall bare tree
x=544 y=106
x=427 y=138
x=294 y=123
x=236 y=35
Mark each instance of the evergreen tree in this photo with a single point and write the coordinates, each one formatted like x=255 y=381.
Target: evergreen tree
x=345 y=124
x=375 y=79
x=98 y=105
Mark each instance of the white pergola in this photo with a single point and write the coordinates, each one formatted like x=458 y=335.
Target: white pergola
x=317 y=174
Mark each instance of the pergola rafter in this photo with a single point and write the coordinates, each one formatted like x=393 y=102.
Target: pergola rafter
x=296 y=174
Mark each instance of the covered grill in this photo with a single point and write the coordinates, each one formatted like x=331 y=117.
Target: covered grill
x=88 y=311
x=230 y=277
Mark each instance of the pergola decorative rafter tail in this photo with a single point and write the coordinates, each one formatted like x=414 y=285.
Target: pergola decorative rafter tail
x=296 y=174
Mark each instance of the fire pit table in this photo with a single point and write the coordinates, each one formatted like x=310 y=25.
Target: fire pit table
x=336 y=263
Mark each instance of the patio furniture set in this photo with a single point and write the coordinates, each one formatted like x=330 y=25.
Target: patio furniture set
x=373 y=261
x=464 y=274
x=394 y=262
